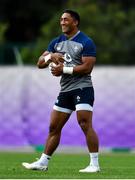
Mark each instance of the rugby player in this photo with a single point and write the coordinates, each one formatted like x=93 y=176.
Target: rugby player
x=72 y=56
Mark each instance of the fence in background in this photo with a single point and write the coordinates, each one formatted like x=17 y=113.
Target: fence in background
x=27 y=95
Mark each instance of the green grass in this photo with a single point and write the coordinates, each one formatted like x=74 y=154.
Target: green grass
x=66 y=166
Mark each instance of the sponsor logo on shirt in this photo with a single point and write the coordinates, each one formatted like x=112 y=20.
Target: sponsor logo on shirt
x=67 y=57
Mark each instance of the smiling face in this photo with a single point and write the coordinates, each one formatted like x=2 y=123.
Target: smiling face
x=68 y=24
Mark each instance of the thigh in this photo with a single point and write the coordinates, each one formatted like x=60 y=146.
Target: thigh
x=58 y=119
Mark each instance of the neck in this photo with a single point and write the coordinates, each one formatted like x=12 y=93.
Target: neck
x=72 y=33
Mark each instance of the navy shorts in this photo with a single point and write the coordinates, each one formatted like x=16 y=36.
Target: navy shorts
x=78 y=99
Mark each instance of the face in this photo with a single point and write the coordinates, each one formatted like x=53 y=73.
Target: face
x=68 y=23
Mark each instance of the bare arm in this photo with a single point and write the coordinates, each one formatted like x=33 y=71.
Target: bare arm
x=41 y=62
x=86 y=67
x=55 y=57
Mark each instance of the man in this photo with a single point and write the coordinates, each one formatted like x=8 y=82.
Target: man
x=72 y=56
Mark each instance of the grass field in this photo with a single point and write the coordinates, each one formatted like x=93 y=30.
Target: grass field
x=66 y=166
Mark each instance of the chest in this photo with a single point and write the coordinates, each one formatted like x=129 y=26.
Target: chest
x=74 y=49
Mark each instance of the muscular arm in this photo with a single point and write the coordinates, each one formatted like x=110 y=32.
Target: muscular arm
x=86 y=66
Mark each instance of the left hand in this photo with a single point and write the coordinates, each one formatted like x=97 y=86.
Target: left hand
x=57 y=70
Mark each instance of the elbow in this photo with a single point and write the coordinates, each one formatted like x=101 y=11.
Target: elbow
x=39 y=65
x=87 y=71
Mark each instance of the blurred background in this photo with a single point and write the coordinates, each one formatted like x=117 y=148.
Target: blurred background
x=27 y=94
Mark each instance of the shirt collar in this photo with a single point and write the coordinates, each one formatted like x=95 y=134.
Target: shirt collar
x=73 y=36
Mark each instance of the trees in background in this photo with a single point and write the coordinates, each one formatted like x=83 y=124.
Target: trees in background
x=25 y=17
x=109 y=23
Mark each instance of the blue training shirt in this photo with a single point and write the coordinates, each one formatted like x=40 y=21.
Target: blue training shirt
x=80 y=45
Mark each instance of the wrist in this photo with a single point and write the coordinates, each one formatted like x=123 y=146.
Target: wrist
x=68 y=70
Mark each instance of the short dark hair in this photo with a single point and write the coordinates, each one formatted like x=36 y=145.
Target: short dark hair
x=73 y=14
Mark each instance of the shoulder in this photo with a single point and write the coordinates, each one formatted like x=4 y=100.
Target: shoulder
x=89 y=48
x=54 y=42
x=85 y=39
x=58 y=39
